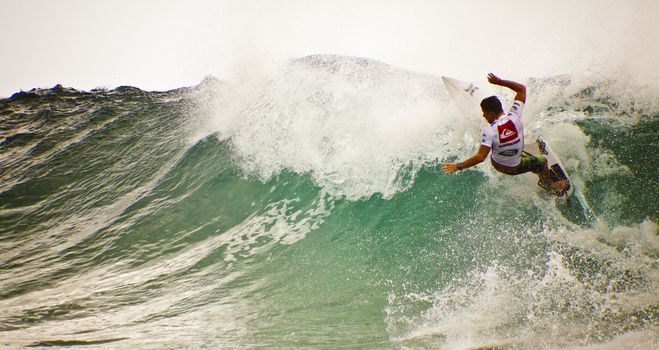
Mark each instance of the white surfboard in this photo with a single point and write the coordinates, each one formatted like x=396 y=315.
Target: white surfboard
x=468 y=96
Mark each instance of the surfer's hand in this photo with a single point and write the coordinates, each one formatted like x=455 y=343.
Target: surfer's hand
x=493 y=79
x=449 y=168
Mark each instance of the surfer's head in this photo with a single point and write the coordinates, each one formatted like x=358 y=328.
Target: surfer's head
x=491 y=107
x=491 y=104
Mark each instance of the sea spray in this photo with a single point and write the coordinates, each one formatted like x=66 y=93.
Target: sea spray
x=306 y=209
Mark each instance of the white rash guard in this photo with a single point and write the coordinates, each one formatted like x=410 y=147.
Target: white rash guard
x=505 y=136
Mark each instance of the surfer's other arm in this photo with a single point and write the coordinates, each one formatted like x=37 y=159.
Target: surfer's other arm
x=519 y=89
x=477 y=158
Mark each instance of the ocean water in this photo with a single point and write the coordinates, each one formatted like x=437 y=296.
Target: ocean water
x=306 y=209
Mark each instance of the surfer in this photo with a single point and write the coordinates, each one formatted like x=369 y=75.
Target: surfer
x=504 y=135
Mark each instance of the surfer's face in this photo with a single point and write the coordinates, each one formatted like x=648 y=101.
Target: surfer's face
x=489 y=116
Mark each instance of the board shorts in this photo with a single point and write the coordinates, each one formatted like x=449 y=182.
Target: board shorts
x=528 y=162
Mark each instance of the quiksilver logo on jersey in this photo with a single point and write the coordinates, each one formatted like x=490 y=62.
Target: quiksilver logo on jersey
x=507 y=131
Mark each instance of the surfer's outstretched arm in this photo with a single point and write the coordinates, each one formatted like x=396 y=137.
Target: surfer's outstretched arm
x=520 y=89
x=477 y=158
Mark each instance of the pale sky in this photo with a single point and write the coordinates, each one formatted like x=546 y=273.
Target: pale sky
x=160 y=45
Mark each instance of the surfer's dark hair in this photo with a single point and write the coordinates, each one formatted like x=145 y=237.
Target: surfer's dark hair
x=491 y=104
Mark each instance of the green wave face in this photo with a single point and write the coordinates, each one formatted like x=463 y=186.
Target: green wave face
x=307 y=210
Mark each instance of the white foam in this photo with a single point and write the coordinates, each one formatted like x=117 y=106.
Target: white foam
x=357 y=127
x=280 y=224
x=561 y=305
x=360 y=127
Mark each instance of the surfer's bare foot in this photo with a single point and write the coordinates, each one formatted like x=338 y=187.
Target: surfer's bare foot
x=560 y=187
x=557 y=188
x=544 y=180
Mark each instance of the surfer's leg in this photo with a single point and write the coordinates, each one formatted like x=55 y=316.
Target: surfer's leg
x=537 y=165
x=555 y=187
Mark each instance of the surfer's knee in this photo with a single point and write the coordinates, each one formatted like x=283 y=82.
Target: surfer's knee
x=534 y=164
x=540 y=166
